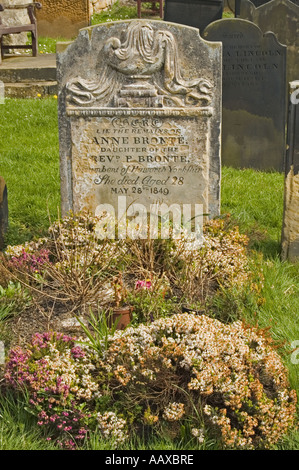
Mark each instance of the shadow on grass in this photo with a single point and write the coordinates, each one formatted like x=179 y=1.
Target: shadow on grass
x=269 y=248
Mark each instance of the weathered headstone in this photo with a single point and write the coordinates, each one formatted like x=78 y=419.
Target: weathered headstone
x=256 y=3
x=196 y=13
x=290 y=231
x=3 y=211
x=139 y=116
x=58 y=18
x=254 y=100
x=230 y=4
x=282 y=18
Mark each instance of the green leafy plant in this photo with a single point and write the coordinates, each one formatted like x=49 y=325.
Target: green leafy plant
x=13 y=299
x=98 y=330
x=151 y=299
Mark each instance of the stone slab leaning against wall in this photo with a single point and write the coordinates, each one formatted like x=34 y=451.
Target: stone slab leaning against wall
x=15 y=17
x=96 y=6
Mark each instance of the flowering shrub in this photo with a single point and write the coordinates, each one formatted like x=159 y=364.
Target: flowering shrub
x=226 y=380
x=76 y=241
x=28 y=247
x=143 y=284
x=150 y=299
x=82 y=265
x=26 y=260
x=31 y=262
x=112 y=427
x=221 y=261
x=218 y=380
x=57 y=374
x=224 y=253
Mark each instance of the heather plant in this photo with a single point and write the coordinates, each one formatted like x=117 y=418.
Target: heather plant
x=221 y=261
x=184 y=373
x=73 y=266
x=225 y=381
x=29 y=248
x=70 y=266
x=31 y=262
x=57 y=376
x=24 y=262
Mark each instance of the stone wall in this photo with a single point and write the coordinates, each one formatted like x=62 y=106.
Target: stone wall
x=63 y=18
x=96 y=6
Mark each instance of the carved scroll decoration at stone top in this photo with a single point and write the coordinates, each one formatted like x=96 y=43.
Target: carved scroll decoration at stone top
x=141 y=71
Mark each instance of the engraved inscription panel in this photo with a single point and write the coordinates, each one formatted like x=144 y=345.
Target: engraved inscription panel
x=254 y=101
x=143 y=157
x=280 y=17
x=244 y=64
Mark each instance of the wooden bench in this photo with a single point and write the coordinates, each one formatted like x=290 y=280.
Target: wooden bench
x=154 y=10
x=31 y=28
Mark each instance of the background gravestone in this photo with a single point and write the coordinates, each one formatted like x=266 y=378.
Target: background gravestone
x=139 y=116
x=282 y=18
x=196 y=13
x=230 y=4
x=290 y=231
x=3 y=211
x=256 y=3
x=62 y=18
x=253 y=126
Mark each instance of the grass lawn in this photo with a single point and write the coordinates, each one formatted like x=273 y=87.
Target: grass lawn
x=29 y=164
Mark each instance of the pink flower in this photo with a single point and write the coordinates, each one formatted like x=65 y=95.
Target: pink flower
x=143 y=284
x=77 y=352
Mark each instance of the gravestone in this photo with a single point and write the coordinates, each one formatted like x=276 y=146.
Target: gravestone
x=3 y=211
x=256 y=3
x=230 y=5
x=196 y=13
x=58 y=18
x=139 y=117
x=254 y=101
x=282 y=18
x=290 y=231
